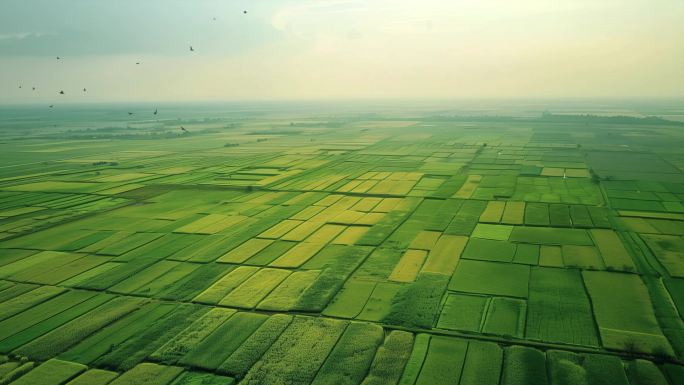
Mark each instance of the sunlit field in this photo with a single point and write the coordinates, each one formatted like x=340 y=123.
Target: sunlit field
x=330 y=244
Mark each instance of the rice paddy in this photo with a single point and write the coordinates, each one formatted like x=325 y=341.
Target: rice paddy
x=414 y=249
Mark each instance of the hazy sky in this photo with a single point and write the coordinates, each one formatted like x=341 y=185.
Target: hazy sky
x=287 y=49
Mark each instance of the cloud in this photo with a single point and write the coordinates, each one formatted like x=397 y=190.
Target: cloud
x=22 y=35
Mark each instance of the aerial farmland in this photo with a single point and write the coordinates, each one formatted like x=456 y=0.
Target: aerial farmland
x=341 y=192
x=274 y=245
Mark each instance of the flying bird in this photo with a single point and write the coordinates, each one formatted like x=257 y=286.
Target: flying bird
x=20 y=86
x=192 y=49
x=61 y=92
x=244 y=12
x=183 y=129
x=84 y=90
x=51 y=105
x=130 y=113
x=155 y=111
x=58 y=58
x=137 y=63
x=33 y=88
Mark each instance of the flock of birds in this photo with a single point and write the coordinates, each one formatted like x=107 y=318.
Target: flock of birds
x=156 y=111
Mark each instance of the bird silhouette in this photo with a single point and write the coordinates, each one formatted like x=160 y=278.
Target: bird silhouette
x=84 y=90
x=51 y=105
x=58 y=58
x=19 y=86
x=183 y=129
x=130 y=113
x=155 y=111
x=244 y=12
x=192 y=49
x=33 y=88
x=61 y=92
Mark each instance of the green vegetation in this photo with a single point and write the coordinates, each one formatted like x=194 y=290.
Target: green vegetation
x=352 y=356
x=393 y=248
x=559 y=308
x=51 y=372
x=612 y=295
x=444 y=361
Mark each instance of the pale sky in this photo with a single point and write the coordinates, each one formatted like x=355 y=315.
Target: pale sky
x=339 y=49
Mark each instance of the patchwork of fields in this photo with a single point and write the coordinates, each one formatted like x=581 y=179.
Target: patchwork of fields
x=281 y=249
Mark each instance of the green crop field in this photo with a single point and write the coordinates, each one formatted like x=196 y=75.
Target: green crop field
x=361 y=246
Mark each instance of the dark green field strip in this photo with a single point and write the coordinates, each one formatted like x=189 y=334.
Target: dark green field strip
x=86 y=239
x=156 y=332
x=41 y=312
x=27 y=335
x=675 y=288
x=188 y=287
x=99 y=343
x=27 y=300
x=12 y=255
x=186 y=340
x=138 y=280
x=4 y=285
x=12 y=290
x=69 y=270
x=65 y=336
x=251 y=350
x=417 y=305
x=54 y=261
x=162 y=247
x=29 y=262
x=222 y=342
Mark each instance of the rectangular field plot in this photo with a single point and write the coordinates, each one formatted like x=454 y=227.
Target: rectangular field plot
x=482 y=314
x=558 y=308
x=505 y=316
x=551 y=236
x=489 y=250
x=505 y=279
x=669 y=250
x=408 y=267
x=255 y=288
x=624 y=312
x=443 y=361
x=298 y=353
x=444 y=256
x=463 y=312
